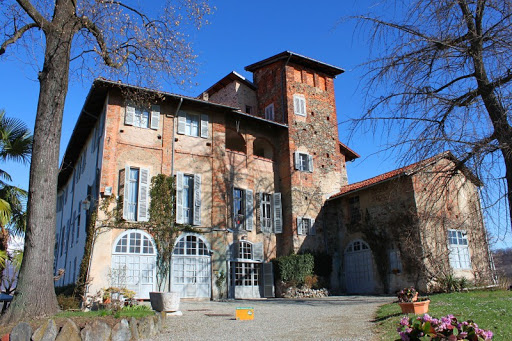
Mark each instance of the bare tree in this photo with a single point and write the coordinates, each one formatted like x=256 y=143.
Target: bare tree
x=441 y=80
x=134 y=41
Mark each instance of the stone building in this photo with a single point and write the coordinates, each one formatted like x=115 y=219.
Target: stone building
x=254 y=163
x=412 y=226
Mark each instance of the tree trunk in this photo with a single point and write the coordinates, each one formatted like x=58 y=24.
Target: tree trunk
x=35 y=290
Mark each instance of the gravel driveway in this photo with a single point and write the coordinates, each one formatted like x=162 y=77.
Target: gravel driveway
x=331 y=318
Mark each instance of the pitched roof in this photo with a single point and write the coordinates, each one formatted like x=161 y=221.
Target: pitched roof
x=331 y=70
x=92 y=109
x=230 y=77
x=350 y=155
x=404 y=171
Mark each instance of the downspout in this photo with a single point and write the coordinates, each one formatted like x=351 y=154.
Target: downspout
x=174 y=134
x=174 y=128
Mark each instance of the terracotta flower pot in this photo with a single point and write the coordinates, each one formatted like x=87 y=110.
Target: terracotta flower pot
x=417 y=308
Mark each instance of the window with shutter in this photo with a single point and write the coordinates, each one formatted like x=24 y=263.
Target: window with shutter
x=268 y=280
x=278 y=213
x=305 y=226
x=142 y=117
x=204 y=126
x=269 y=112
x=134 y=187
x=299 y=105
x=303 y=162
x=197 y=199
x=249 y=210
x=155 y=116
x=188 y=199
x=142 y=209
x=238 y=208
x=265 y=212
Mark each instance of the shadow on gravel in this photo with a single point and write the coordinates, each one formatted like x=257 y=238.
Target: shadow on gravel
x=383 y=318
x=331 y=300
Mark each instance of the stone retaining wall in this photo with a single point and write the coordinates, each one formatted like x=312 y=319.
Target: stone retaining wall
x=124 y=330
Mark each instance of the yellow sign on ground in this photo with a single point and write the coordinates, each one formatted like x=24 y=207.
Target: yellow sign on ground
x=246 y=313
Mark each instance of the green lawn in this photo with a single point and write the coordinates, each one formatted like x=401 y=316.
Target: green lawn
x=489 y=309
x=124 y=313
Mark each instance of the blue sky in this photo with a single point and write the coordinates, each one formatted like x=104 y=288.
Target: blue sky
x=241 y=33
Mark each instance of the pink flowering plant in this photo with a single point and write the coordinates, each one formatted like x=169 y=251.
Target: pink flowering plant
x=407 y=295
x=446 y=328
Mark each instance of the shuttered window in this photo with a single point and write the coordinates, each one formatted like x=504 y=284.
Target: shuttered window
x=270 y=213
x=136 y=194
x=188 y=199
x=192 y=124
x=303 y=162
x=243 y=209
x=305 y=226
x=299 y=105
x=142 y=117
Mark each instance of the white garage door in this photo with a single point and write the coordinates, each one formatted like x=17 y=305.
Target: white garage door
x=359 y=268
x=191 y=267
x=134 y=263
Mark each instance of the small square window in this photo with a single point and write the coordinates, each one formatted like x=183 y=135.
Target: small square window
x=248 y=109
x=303 y=162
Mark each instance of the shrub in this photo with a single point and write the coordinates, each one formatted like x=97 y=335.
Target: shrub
x=66 y=290
x=67 y=302
x=294 y=268
x=140 y=307
x=450 y=283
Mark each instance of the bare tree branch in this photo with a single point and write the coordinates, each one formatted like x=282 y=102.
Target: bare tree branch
x=33 y=13
x=17 y=35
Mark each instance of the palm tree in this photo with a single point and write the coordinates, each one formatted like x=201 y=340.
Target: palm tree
x=15 y=145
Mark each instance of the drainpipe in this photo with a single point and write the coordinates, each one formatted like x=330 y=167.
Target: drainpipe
x=174 y=134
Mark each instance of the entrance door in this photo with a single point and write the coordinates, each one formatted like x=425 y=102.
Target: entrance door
x=191 y=267
x=359 y=268
x=134 y=263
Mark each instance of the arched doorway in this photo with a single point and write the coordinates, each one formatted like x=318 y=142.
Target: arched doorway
x=358 y=268
x=245 y=270
x=134 y=263
x=191 y=267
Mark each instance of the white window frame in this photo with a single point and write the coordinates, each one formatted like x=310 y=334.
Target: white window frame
x=153 y=116
x=185 y=120
x=269 y=112
x=458 y=247
x=299 y=105
x=302 y=229
x=301 y=166
x=192 y=125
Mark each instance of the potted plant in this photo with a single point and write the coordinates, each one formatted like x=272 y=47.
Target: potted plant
x=162 y=227
x=410 y=303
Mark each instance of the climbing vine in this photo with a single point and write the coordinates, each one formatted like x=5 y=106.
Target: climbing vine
x=162 y=224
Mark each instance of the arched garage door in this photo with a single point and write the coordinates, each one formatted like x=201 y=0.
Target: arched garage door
x=359 y=268
x=190 y=267
x=134 y=263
